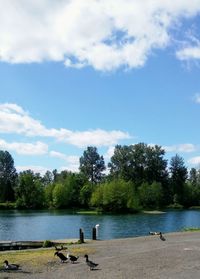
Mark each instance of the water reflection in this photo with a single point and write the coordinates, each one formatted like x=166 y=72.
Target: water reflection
x=60 y=224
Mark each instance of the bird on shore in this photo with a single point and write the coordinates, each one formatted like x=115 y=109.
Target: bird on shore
x=60 y=248
x=61 y=256
x=154 y=233
x=91 y=264
x=158 y=233
x=72 y=258
x=10 y=266
x=162 y=237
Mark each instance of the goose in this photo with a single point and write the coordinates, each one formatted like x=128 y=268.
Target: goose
x=10 y=266
x=91 y=264
x=60 y=248
x=154 y=233
x=61 y=256
x=72 y=258
x=162 y=237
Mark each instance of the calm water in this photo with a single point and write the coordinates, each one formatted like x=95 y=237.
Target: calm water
x=59 y=224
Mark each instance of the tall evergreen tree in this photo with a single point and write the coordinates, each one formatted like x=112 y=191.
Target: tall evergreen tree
x=178 y=178
x=8 y=176
x=92 y=165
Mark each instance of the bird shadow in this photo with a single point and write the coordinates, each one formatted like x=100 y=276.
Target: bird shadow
x=95 y=269
x=16 y=271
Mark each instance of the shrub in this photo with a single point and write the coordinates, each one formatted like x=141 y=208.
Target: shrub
x=47 y=243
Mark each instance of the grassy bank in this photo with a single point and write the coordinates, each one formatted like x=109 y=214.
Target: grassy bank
x=39 y=259
x=7 y=205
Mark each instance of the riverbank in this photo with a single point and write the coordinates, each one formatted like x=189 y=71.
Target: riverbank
x=140 y=258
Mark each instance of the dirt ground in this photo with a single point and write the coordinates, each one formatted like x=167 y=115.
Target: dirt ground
x=178 y=257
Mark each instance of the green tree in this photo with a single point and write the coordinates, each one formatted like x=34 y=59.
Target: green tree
x=85 y=194
x=8 y=176
x=178 y=178
x=29 y=190
x=139 y=163
x=121 y=163
x=115 y=196
x=48 y=178
x=59 y=196
x=193 y=176
x=48 y=193
x=150 y=196
x=92 y=165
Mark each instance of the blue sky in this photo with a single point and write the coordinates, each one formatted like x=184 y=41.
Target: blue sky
x=75 y=74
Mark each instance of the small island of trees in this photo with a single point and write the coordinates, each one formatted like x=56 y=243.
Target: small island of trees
x=138 y=177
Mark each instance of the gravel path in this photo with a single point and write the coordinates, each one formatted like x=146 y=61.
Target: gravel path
x=139 y=258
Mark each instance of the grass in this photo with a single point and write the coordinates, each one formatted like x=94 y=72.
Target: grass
x=40 y=259
x=88 y=212
x=7 y=205
x=191 y=229
x=153 y=211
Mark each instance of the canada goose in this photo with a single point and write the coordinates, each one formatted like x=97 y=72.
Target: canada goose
x=162 y=237
x=10 y=266
x=154 y=233
x=72 y=258
x=61 y=256
x=91 y=264
x=60 y=248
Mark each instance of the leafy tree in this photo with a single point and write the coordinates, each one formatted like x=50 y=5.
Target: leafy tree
x=193 y=176
x=74 y=185
x=115 y=196
x=29 y=190
x=121 y=163
x=150 y=195
x=191 y=196
x=178 y=178
x=92 y=165
x=8 y=176
x=139 y=163
x=85 y=194
x=47 y=178
x=59 y=196
x=156 y=165
x=55 y=174
x=48 y=193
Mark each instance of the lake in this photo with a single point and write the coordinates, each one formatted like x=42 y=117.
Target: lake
x=60 y=224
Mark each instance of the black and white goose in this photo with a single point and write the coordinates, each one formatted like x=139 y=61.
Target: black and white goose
x=154 y=233
x=162 y=237
x=10 y=266
x=59 y=248
x=61 y=256
x=72 y=258
x=91 y=264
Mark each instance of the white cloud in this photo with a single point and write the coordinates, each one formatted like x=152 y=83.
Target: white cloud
x=22 y=148
x=70 y=159
x=189 y=53
x=35 y=169
x=109 y=153
x=101 y=33
x=70 y=167
x=194 y=160
x=13 y=119
x=187 y=147
x=196 y=98
x=95 y=137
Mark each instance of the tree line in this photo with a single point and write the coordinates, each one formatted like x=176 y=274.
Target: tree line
x=138 y=177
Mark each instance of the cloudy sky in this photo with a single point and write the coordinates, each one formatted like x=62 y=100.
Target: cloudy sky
x=76 y=73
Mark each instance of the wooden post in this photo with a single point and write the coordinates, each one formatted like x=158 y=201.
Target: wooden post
x=94 y=234
x=81 y=236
